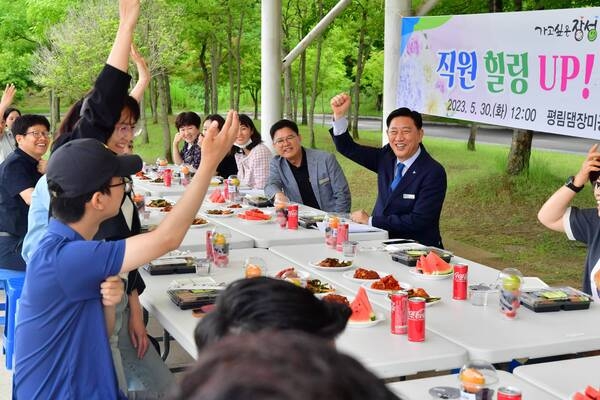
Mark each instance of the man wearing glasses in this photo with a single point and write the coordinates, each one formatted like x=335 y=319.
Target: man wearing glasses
x=18 y=175
x=307 y=176
x=582 y=225
x=411 y=184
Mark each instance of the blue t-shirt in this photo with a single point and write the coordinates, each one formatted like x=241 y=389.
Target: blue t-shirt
x=62 y=349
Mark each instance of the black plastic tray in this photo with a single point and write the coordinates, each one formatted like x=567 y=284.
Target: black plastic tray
x=183 y=265
x=574 y=300
x=193 y=298
x=405 y=257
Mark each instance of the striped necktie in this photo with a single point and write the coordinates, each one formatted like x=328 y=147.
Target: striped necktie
x=398 y=177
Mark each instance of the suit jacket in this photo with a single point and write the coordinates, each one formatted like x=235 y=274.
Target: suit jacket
x=413 y=209
x=326 y=179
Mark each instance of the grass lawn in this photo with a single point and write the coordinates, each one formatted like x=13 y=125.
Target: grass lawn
x=488 y=217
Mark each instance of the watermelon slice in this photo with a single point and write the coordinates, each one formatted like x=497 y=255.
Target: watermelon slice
x=362 y=311
x=579 y=396
x=437 y=265
x=592 y=392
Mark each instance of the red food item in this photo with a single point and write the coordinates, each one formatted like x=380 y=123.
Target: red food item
x=579 y=396
x=254 y=215
x=592 y=392
x=386 y=283
x=336 y=298
x=287 y=273
x=363 y=273
x=362 y=311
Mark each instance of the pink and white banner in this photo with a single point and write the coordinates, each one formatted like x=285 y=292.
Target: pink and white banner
x=535 y=70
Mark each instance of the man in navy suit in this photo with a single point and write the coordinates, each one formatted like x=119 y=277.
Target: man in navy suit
x=411 y=184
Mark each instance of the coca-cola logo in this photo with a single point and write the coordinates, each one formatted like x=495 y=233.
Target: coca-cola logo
x=292 y=213
x=416 y=315
x=460 y=276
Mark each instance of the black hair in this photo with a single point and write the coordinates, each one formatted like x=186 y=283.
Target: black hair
x=216 y=117
x=71 y=209
x=283 y=123
x=405 y=112
x=187 y=118
x=255 y=136
x=76 y=111
x=594 y=175
x=276 y=365
x=250 y=305
x=26 y=121
x=9 y=110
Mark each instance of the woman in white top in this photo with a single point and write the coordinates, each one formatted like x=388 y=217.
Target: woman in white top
x=252 y=156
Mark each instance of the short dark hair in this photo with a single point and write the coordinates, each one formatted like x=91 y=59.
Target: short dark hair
x=283 y=123
x=187 y=118
x=71 y=209
x=216 y=117
x=274 y=365
x=26 y=121
x=405 y=112
x=251 y=305
x=9 y=110
x=255 y=137
x=131 y=104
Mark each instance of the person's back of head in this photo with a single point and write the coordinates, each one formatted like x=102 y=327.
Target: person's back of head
x=276 y=365
x=251 y=305
x=80 y=168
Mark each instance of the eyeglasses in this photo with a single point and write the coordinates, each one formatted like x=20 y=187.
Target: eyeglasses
x=38 y=134
x=124 y=129
x=126 y=182
x=280 y=141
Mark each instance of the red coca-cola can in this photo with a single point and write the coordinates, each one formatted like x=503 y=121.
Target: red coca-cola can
x=399 y=313
x=509 y=393
x=459 y=289
x=292 y=216
x=342 y=236
x=209 y=246
x=416 y=319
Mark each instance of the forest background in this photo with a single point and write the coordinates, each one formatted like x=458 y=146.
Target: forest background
x=205 y=56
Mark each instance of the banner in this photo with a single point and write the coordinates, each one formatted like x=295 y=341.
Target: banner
x=536 y=70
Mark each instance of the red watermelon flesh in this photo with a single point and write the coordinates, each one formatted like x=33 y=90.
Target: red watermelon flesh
x=362 y=311
x=592 y=392
x=437 y=265
x=425 y=265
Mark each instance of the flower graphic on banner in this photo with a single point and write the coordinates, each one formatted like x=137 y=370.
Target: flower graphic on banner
x=419 y=87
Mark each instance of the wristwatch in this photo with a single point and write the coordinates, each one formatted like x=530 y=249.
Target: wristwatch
x=571 y=185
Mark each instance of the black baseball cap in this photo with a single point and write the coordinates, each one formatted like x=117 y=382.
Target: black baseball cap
x=83 y=165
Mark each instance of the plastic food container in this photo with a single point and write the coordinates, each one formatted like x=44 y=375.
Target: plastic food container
x=480 y=294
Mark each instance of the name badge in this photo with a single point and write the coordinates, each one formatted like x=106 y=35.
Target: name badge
x=408 y=196
x=323 y=181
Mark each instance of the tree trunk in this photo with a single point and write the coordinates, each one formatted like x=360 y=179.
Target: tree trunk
x=303 y=90
x=472 y=136
x=54 y=110
x=164 y=117
x=215 y=62
x=154 y=99
x=142 y=122
x=314 y=94
x=168 y=93
x=520 y=151
x=360 y=65
x=230 y=61
x=287 y=93
x=254 y=94
x=206 y=78
x=315 y=82
x=238 y=80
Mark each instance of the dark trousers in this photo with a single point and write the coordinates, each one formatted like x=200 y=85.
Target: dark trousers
x=10 y=253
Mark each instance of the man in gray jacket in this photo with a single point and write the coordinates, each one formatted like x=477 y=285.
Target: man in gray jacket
x=310 y=177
